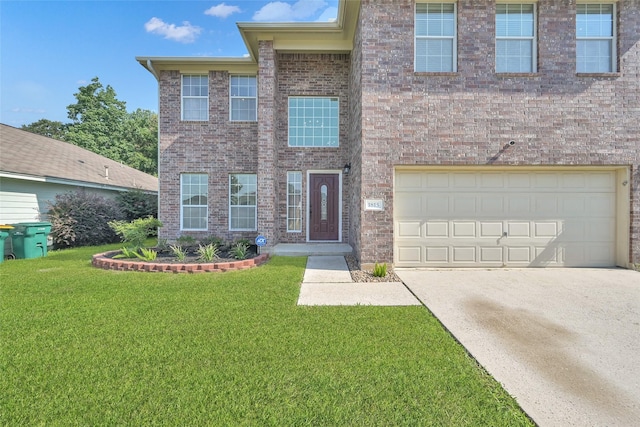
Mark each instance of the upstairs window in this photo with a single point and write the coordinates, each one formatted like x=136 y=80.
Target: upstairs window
x=313 y=122
x=595 y=38
x=243 y=99
x=515 y=38
x=435 y=37
x=195 y=98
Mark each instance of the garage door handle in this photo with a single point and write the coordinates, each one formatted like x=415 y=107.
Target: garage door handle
x=504 y=234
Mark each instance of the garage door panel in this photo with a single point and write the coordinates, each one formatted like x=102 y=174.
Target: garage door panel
x=491 y=229
x=464 y=255
x=518 y=254
x=491 y=205
x=545 y=229
x=436 y=229
x=493 y=255
x=437 y=205
x=505 y=218
x=463 y=229
x=518 y=229
x=464 y=206
x=437 y=254
x=409 y=229
x=409 y=255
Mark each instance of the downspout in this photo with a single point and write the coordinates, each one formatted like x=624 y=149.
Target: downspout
x=155 y=74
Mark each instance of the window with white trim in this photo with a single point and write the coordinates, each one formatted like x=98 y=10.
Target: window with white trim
x=195 y=97
x=595 y=38
x=243 y=98
x=294 y=201
x=243 y=188
x=515 y=38
x=193 y=201
x=313 y=122
x=435 y=37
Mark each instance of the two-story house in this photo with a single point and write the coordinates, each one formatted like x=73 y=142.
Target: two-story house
x=422 y=133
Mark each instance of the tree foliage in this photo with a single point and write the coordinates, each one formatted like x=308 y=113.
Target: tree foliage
x=48 y=128
x=100 y=123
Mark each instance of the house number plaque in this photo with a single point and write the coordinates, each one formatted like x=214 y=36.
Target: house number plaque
x=373 y=205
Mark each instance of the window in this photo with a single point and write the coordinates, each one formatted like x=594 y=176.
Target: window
x=595 y=38
x=243 y=202
x=195 y=98
x=435 y=31
x=294 y=201
x=243 y=99
x=313 y=122
x=515 y=38
x=194 y=190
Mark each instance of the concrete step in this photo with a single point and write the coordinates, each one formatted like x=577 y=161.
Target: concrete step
x=310 y=249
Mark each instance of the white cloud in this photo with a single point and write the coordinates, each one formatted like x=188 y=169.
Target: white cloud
x=222 y=10
x=281 y=11
x=28 y=110
x=186 y=33
x=329 y=15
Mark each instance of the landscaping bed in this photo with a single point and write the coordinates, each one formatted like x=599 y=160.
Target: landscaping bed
x=167 y=262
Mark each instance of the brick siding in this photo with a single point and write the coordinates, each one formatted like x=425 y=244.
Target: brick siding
x=465 y=118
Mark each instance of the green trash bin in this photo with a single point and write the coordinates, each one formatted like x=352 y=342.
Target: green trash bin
x=30 y=239
x=3 y=236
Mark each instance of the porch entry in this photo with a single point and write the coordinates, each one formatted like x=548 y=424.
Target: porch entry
x=324 y=206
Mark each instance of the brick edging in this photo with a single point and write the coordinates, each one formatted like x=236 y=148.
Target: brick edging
x=104 y=261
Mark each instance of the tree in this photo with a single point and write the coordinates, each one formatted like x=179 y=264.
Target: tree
x=101 y=124
x=141 y=130
x=98 y=121
x=48 y=128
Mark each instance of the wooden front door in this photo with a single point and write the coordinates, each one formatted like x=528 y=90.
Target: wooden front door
x=324 y=209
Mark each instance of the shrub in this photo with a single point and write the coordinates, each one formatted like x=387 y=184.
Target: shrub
x=179 y=252
x=147 y=254
x=134 y=233
x=212 y=240
x=380 y=270
x=240 y=250
x=208 y=253
x=137 y=204
x=80 y=218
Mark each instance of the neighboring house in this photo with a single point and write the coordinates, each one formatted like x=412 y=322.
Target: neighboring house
x=476 y=134
x=34 y=168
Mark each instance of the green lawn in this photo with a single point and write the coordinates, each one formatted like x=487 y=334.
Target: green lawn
x=82 y=346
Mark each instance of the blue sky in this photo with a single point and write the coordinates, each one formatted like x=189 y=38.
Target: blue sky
x=48 y=49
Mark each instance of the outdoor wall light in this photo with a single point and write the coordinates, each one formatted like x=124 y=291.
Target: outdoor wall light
x=347 y=169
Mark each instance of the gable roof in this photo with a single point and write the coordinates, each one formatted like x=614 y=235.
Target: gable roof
x=293 y=37
x=25 y=155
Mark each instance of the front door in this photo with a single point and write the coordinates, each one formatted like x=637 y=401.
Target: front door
x=324 y=209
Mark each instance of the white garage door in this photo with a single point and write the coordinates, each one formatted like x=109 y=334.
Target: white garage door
x=504 y=218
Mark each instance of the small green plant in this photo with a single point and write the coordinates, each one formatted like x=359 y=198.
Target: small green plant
x=186 y=240
x=208 y=252
x=134 y=233
x=126 y=253
x=240 y=250
x=147 y=254
x=179 y=252
x=380 y=270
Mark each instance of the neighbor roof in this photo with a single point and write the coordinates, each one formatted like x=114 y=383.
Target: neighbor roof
x=24 y=155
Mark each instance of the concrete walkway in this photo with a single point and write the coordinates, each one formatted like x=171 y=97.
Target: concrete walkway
x=327 y=281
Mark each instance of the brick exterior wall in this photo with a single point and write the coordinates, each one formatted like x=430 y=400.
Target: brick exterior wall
x=325 y=75
x=217 y=148
x=465 y=118
x=220 y=147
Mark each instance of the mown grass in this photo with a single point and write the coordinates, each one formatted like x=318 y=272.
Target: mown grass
x=83 y=346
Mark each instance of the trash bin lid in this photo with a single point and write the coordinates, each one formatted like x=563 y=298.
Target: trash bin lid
x=6 y=227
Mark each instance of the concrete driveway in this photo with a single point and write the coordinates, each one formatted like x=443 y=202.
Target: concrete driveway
x=564 y=342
